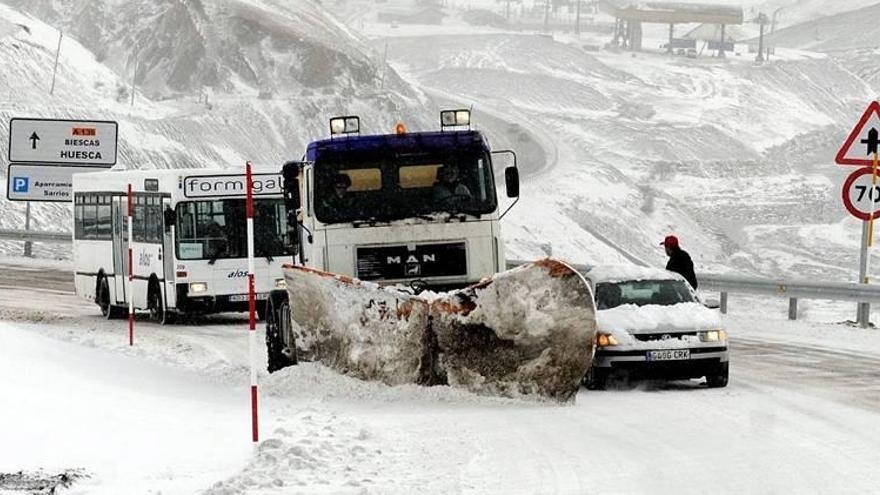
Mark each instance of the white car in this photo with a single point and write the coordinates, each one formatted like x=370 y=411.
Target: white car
x=651 y=324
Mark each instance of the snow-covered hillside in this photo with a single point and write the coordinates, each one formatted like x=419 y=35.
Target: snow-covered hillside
x=292 y=67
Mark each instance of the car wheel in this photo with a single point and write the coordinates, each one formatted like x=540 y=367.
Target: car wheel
x=281 y=354
x=596 y=379
x=719 y=378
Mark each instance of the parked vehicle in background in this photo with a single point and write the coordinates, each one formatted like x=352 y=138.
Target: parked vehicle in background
x=651 y=325
x=189 y=240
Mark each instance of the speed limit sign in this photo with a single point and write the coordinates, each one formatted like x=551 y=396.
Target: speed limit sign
x=860 y=196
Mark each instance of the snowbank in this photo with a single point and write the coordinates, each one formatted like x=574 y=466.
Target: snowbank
x=525 y=331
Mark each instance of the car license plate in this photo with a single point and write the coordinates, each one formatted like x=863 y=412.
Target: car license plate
x=244 y=297
x=669 y=355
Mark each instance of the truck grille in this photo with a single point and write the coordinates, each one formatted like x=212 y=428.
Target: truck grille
x=399 y=262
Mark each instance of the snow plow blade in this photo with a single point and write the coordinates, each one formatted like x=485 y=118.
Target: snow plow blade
x=526 y=331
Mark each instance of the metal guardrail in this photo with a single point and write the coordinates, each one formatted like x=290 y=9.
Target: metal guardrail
x=34 y=236
x=792 y=289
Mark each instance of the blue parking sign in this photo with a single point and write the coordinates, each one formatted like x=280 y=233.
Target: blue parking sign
x=20 y=184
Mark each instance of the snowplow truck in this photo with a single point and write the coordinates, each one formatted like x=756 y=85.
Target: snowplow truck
x=400 y=273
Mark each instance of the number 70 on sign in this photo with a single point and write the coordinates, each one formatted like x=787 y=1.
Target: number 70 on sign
x=861 y=196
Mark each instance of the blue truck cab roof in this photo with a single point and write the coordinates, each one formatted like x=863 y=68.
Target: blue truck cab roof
x=391 y=144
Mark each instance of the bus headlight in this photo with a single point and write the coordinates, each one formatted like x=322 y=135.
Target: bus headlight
x=198 y=287
x=280 y=283
x=713 y=336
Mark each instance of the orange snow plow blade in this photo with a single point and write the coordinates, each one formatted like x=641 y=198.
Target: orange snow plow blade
x=526 y=331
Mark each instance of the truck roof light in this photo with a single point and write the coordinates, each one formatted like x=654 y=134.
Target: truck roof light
x=455 y=118
x=400 y=129
x=349 y=124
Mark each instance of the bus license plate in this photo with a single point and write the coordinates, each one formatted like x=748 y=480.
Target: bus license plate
x=669 y=355
x=244 y=297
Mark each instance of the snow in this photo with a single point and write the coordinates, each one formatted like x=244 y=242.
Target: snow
x=526 y=331
x=131 y=425
x=657 y=318
x=779 y=426
x=620 y=273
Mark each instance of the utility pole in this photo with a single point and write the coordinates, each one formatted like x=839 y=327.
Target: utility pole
x=546 y=16
x=762 y=20
x=577 y=18
x=57 y=53
x=134 y=75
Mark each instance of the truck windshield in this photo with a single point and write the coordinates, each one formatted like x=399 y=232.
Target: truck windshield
x=217 y=229
x=642 y=293
x=403 y=186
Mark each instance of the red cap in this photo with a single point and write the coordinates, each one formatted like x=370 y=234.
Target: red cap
x=670 y=241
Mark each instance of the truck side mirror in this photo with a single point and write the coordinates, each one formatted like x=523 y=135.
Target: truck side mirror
x=292 y=199
x=170 y=218
x=511 y=181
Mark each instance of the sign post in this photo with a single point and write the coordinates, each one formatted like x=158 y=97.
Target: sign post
x=861 y=196
x=252 y=301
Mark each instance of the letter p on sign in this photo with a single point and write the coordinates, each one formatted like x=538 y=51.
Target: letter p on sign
x=20 y=184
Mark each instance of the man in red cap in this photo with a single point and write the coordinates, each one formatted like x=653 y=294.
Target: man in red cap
x=679 y=260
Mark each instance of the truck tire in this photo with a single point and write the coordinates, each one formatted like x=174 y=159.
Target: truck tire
x=719 y=378
x=281 y=354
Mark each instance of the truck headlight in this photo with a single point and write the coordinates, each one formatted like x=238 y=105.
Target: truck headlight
x=713 y=336
x=606 y=340
x=280 y=283
x=198 y=287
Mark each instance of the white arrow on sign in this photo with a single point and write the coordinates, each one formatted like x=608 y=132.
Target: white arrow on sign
x=67 y=142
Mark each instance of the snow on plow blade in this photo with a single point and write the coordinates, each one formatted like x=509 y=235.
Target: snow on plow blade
x=527 y=331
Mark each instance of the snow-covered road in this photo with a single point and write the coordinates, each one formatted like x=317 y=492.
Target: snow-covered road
x=799 y=415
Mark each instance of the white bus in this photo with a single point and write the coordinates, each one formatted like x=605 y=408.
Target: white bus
x=189 y=240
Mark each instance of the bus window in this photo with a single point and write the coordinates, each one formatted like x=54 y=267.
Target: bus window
x=217 y=229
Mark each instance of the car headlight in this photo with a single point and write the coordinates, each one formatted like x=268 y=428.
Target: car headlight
x=606 y=340
x=198 y=287
x=713 y=336
x=280 y=283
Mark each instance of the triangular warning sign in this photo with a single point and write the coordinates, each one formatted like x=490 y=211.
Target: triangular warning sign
x=864 y=140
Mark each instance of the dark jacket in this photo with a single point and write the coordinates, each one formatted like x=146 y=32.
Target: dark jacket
x=680 y=262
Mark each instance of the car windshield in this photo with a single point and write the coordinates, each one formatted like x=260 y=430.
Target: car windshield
x=403 y=186
x=217 y=229
x=642 y=293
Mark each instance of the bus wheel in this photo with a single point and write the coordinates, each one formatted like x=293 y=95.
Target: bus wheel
x=156 y=304
x=108 y=310
x=280 y=352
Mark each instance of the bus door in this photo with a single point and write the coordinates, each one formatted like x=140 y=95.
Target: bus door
x=120 y=248
x=168 y=257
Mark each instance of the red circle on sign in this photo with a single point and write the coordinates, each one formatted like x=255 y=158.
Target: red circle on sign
x=847 y=184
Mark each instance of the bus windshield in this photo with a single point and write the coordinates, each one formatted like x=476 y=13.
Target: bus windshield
x=217 y=229
x=349 y=188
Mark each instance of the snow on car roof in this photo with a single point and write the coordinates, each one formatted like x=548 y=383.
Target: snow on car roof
x=620 y=273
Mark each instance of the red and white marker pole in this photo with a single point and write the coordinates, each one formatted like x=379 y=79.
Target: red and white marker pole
x=252 y=302
x=130 y=270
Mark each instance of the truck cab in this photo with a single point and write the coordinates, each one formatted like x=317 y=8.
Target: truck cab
x=419 y=209
x=415 y=209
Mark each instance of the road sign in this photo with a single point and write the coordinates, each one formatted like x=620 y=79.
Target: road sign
x=862 y=142
x=66 y=142
x=860 y=196
x=41 y=183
